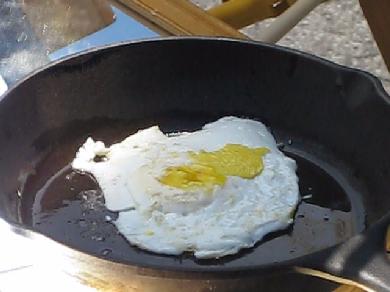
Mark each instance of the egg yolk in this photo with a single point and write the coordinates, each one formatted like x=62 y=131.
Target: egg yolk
x=211 y=168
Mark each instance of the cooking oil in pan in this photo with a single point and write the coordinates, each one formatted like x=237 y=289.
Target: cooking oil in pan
x=69 y=206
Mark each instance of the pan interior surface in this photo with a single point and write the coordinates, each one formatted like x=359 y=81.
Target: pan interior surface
x=334 y=121
x=69 y=206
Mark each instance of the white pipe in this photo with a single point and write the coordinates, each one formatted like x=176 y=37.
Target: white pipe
x=287 y=20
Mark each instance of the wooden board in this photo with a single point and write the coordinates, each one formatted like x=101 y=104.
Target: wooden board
x=181 y=17
x=377 y=13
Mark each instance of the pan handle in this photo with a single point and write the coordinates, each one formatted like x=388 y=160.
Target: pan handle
x=361 y=261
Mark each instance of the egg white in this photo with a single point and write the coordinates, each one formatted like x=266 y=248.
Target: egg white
x=169 y=220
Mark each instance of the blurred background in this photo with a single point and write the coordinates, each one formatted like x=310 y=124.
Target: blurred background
x=36 y=32
x=335 y=30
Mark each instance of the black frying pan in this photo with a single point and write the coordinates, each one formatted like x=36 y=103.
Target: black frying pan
x=333 y=120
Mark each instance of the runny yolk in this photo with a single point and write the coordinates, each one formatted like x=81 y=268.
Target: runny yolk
x=208 y=169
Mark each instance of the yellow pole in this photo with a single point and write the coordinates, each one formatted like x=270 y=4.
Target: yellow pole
x=241 y=13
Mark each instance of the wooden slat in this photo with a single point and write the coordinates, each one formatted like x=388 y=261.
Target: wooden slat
x=377 y=13
x=346 y=288
x=139 y=18
x=181 y=17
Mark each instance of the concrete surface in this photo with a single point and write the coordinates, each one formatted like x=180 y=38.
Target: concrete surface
x=335 y=30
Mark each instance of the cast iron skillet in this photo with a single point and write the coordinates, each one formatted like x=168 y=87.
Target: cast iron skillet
x=333 y=120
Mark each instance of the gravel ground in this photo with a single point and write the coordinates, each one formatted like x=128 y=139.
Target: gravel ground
x=335 y=30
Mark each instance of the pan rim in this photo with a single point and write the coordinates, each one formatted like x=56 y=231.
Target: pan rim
x=325 y=62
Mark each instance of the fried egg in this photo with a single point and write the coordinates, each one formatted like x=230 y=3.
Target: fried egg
x=211 y=192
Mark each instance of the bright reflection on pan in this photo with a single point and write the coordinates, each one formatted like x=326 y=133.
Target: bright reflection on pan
x=3 y=86
x=34 y=264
